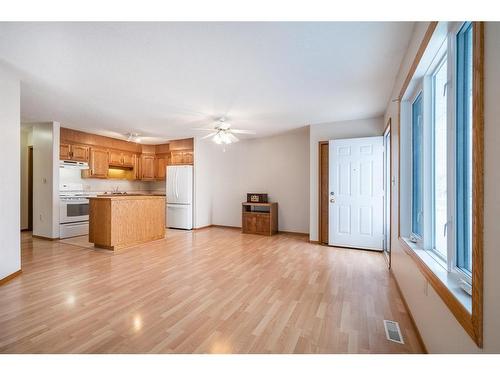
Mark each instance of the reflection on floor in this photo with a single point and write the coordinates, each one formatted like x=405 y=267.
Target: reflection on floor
x=208 y=291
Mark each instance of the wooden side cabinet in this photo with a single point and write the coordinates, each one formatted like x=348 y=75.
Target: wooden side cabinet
x=259 y=218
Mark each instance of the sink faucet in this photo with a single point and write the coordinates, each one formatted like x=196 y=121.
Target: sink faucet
x=115 y=189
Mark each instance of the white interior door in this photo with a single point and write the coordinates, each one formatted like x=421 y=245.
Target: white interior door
x=356 y=182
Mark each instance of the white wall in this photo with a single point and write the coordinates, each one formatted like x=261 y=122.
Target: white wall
x=277 y=165
x=46 y=179
x=440 y=330
x=324 y=132
x=10 y=142
x=204 y=159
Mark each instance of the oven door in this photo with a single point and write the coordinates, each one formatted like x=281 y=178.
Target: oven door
x=72 y=210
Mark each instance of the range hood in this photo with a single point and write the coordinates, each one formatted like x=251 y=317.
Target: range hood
x=73 y=164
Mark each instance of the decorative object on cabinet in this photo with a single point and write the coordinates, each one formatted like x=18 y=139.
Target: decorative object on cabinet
x=259 y=218
x=257 y=197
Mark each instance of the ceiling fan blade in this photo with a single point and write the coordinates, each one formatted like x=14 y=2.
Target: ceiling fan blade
x=205 y=129
x=209 y=135
x=241 y=131
x=232 y=137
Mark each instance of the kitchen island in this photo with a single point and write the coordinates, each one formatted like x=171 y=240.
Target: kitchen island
x=118 y=221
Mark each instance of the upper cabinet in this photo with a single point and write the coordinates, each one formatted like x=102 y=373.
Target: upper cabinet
x=181 y=157
x=181 y=144
x=73 y=152
x=98 y=163
x=147 y=167
x=115 y=158
x=161 y=162
x=181 y=151
x=121 y=159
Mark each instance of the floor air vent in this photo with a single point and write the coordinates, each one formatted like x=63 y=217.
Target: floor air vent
x=392 y=331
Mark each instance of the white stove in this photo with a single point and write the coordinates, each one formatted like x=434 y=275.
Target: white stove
x=73 y=210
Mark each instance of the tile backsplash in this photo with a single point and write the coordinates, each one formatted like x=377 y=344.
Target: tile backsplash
x=67 y=175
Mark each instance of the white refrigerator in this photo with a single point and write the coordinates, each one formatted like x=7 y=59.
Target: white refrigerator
x=179 y=191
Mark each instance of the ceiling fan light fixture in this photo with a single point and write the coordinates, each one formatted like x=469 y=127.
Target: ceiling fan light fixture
x=133 y=137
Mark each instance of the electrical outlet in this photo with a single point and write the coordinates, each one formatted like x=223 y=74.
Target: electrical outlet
x=41 y=219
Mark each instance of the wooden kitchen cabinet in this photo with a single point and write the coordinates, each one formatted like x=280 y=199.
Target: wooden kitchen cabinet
x=115 y=158
x=98 y=163
x=79 y=153
x=64 y=151
x=73 y=152
x=121 y=159
x=181 y=144
x=181 y=157
x=147 y=167
x=128 y=159
x=160 y=167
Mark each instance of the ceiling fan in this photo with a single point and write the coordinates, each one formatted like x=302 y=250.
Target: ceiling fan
x=222 y=133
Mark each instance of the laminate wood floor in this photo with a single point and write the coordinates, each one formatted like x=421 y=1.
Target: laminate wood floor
x=209 y=291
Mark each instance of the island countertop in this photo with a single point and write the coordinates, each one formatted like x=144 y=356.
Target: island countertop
x=118 y=221
x=129 y=196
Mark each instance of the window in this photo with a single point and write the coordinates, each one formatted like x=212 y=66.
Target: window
x=464 y=149
x=440 y=140
x=439 y=161
x=417 y=165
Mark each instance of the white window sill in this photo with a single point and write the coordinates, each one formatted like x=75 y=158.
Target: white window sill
x=449 y=280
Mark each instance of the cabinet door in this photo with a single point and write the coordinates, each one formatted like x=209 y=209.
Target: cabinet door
x=99 y=163
x=187 y=157
x=147 y=167
x=177 y=157
x=249 y=223
x=263 y=224
x=128 y=159
x=115 y=158
x=64 y=151
x=160 y=168
x=79 y=153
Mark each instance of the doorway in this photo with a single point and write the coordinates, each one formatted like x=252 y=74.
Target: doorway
x=30 y=188
x=356 y=193
x=323 y=192
x=387 y=192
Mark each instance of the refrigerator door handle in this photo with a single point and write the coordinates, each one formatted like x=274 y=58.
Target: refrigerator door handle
x=177 y=183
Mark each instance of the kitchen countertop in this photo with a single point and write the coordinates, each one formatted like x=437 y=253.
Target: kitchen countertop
x=129 y=196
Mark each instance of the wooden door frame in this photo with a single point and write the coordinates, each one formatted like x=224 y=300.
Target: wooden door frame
x=30 y=188
x=389 y=130
x=320 y=204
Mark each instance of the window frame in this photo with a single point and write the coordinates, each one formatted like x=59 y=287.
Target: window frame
x=470 y=318
x=443 y=59
x=418 y=94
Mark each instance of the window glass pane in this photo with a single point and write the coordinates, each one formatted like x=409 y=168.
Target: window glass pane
x=417 y=167
x=464 y=148
x=440 y=213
